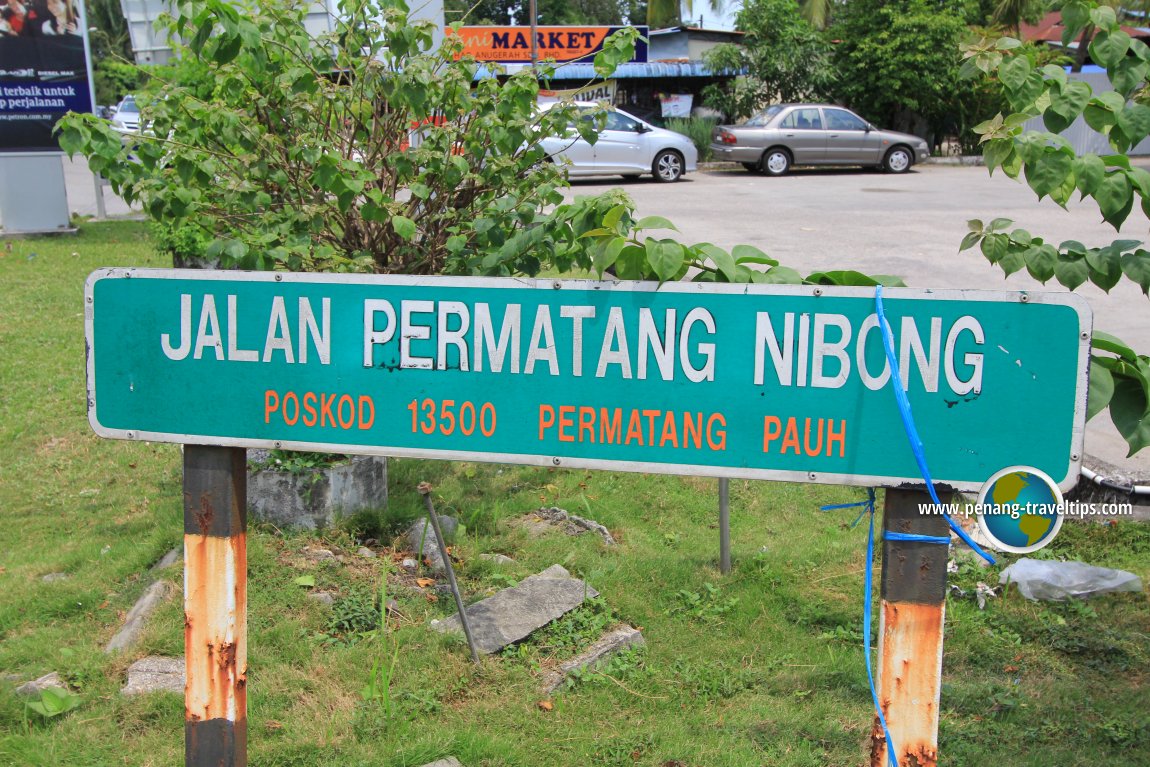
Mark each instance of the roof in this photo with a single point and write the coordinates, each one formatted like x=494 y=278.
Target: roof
x=624 y=71
x=1049 y=30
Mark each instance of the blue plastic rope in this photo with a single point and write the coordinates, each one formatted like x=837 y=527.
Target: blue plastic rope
x=908 y=425
x=891 y=535
x=868 y=597
x=866 y=505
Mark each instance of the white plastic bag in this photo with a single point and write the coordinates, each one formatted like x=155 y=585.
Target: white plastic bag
x=1055 y=581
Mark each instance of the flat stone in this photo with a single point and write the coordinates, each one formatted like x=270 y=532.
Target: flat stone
x=607 y=645
x=364 y=551
x=48 y=681
x=498 y=559
x=513 y=613
x=155 y=674
x=574 y=525
x=318 y=553
x=409 y=564
x=447 y=761
x=53 y=577
x=169 y=559
x=323 y=597
x=137 y=616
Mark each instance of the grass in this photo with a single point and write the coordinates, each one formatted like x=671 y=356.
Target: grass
x=763 y=666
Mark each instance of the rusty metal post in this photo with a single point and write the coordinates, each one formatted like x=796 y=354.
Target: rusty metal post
x=724 y=525
x=910 y=632
x=215 y=606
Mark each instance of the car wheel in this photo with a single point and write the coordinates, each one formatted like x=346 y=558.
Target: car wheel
x=668 y=166
x=897 y=160
x=775 y=162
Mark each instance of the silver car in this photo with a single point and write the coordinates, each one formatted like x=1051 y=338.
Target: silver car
x=783 y=135
x=626 y=146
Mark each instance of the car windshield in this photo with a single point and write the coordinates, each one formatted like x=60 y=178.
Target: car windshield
x=128 y=105
x=764 y=117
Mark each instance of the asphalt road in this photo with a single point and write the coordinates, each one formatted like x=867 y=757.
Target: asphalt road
x=909 y=225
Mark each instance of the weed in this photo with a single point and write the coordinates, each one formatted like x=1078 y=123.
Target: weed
x=53 y=702
x=714 y=681
x=626 y=666
x=708 y=605
x=354 y=616
x=576 y=629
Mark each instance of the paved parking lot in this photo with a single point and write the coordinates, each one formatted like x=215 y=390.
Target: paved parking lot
x=908 y=225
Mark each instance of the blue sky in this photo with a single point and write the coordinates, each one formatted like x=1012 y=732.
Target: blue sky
x=711 y=20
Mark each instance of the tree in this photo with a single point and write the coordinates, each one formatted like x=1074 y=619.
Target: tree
x=663 y=13
x=784 y=57
x=503 y=12
x=1119 y=377
x=361 y=149
x=896 y=60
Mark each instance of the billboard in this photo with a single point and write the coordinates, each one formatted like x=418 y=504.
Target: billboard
x=512 y=45
x=44 y=71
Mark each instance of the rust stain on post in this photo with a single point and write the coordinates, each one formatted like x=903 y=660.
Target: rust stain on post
x=215 y=606
x=909 y=678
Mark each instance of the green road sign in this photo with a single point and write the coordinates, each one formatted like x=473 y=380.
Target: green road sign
x=755 y=381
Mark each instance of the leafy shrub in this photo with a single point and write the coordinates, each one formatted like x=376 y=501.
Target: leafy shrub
x=698 y=129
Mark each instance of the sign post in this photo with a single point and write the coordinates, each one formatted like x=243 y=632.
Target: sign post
x=745 y=381
x=910 y=631
x=215 y=606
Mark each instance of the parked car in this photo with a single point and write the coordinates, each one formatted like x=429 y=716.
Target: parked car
x=784 y=135
x=626 y=146
x=127 y=117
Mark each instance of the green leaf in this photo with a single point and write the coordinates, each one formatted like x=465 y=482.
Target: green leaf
x=1101 y=113
x=1107 y=343
x=1136 y=266
x=404 y=227
x=779 y=275
x=1105 y=266
x=722 y=260
x=1103 y=17
x=1012 y=261
x=665 y=257
x=1040 y=262
x=1115 y=198
x=1129 y=412
x=1065 y=106
x=1128 y=75
x=1049 y=170
x=1014 y=72
x=975 y=225
x=843 y=277
x=1075 y=17
x=1101 y=389
x=969 y=241
x=1089 y=170
x=608 y=255
x=307 y=581
x=1109 y=47
x=749 y=254
x=1071 y=270
x=996 y=151
x=654 y=222
x=994 y=247
x=611 y=220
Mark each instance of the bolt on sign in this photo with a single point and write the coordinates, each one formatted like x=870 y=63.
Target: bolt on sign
x=751 y=381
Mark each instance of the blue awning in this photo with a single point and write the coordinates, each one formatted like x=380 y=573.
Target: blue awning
x=585 y=72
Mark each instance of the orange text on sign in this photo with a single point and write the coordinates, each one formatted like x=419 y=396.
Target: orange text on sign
x=327 y=410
